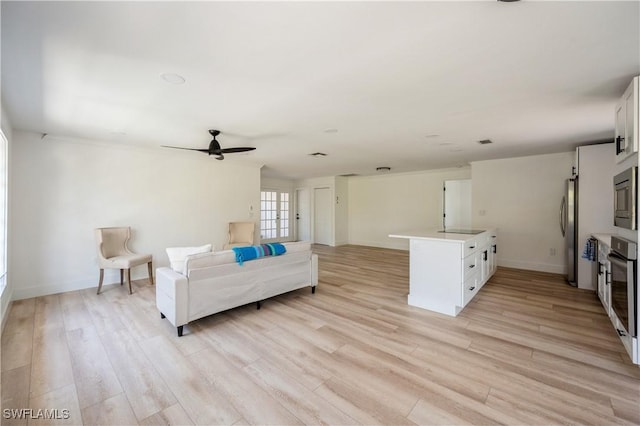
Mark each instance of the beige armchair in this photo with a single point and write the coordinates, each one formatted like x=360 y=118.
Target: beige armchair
x=113 y=253
x=240 y=234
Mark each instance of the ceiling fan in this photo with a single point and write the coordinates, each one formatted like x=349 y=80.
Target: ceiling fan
x=214 y=147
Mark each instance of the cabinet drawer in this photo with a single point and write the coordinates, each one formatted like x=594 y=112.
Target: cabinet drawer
x=470 y=265
x=471 y=246
x=471 y=287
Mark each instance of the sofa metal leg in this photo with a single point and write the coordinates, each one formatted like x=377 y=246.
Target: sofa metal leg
x=258 y=304
x=162 y=316
x=100 y=282
x=313 y=289
x=180 y=328
x=121 y=276
x=150 y=267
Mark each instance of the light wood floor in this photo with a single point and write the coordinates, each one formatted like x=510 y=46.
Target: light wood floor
x=528 y=349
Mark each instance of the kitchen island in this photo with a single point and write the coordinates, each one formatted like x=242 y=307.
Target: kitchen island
x=448 y=268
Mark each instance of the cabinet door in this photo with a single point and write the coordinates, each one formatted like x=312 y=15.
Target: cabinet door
x=604 y=278
x=606 y=300
x=626 y=125
x=620 y=129
x=630 y=122
x=485 y=265
x=493 y=255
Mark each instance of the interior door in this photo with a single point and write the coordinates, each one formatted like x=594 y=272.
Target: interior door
x=457 y=203
x=274 y=216
x=322 y=228
x=303 y=215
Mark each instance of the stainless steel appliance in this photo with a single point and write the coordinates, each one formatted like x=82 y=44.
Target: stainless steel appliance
x=624 y=199
x=624 y=286
x=569 y=227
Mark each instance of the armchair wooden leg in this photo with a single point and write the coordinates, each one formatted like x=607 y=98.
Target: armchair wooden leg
x=162 y=315
x=313 y=289
x=258 y=304
x=150 y=266
x=180 y=328
x=100 y=282
x=121 y=274
x=128 y=274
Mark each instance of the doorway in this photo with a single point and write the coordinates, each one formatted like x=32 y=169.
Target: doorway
x=303 y=215
x=274 y=215
x=322 y=206
x=457 y=203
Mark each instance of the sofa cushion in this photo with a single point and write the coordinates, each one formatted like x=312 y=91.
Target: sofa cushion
x=204 y=260
x=177 y=255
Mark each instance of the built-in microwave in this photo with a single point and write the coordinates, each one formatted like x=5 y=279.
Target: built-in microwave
x=624 y=201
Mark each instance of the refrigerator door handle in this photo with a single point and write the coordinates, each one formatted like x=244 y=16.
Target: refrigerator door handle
x=563 y=223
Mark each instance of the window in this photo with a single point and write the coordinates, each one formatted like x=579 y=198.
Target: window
x=274 y=215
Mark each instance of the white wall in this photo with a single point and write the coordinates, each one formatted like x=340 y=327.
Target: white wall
x=6 y=287
x=384 y=204
x=521 y=197
x=64 y=189
x=595 y=200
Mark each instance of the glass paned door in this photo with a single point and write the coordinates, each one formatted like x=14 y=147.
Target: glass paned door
x=274 y=215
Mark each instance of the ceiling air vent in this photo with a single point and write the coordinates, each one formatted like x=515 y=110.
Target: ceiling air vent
x=318 y=154
x=349 y=175
x=485 y=142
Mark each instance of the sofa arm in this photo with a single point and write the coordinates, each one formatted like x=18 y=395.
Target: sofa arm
x=172 y=296
x=314 y=269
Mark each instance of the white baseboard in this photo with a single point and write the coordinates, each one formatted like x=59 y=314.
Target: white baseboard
x=401 y=244
x=111 y=277
x=533 y=266
x=45 y=290
x=5 y=305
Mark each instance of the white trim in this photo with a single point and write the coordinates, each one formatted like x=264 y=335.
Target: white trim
x=533 y=266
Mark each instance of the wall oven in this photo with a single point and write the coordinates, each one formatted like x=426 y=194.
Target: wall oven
x=624 y=285
x=624 y=201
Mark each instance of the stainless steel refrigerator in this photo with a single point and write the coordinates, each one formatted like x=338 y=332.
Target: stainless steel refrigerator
x=587 y=208
x=569 y=227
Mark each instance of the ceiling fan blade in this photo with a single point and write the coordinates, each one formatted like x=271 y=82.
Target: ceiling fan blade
x=188 y=149
x=220 y=157
x=237 y=149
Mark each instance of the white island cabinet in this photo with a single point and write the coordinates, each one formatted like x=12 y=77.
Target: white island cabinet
x=447 y=269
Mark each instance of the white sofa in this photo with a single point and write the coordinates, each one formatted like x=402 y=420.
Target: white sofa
x=214 y=282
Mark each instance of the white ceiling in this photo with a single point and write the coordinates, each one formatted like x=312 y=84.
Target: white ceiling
x=534 y=77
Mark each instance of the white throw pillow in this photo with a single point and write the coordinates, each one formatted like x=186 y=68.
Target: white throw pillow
x=177 y=255
x=295 y=246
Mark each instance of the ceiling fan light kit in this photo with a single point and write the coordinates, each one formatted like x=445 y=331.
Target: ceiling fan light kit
x=214 y=147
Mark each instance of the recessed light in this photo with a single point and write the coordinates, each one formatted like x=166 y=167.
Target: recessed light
x=318 y=154
x=383 y=169
x=485 y=142
x=331 y=130
x=432 y=136
x=173 y=78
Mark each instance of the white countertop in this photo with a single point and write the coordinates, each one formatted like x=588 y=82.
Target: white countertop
x=434 y=235
x=603 y=238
